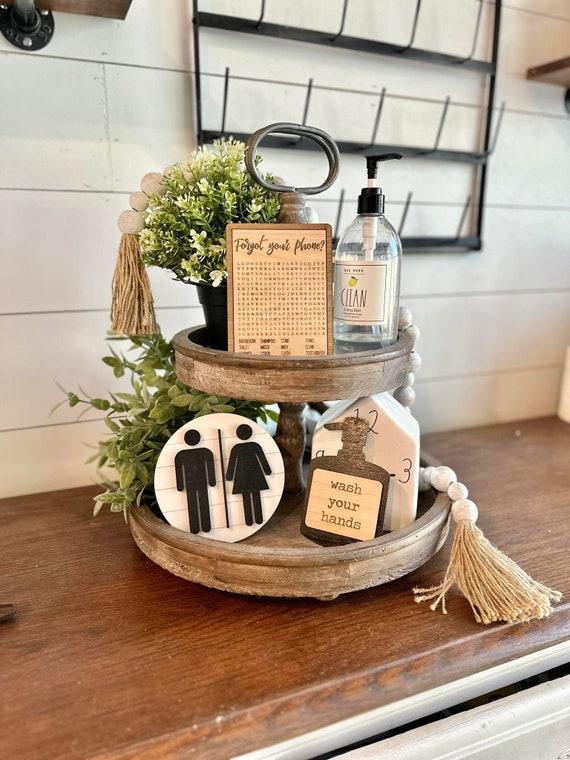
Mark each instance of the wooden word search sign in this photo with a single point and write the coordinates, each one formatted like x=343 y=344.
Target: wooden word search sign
x=280 y=289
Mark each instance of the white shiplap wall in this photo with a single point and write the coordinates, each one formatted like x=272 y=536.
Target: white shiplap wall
x=107 y=101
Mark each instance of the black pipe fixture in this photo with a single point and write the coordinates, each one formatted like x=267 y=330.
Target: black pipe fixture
x=26 y=27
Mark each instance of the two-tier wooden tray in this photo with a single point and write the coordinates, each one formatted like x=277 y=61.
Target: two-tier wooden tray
x=279 y=560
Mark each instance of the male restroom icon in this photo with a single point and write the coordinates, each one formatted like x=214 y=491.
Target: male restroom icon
x=194 y=473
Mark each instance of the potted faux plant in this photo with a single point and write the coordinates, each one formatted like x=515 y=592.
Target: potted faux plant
x=184 y=228
x=142 y=421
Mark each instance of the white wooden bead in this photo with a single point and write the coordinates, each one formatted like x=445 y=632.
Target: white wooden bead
x=138 y=201
x=442 y=478
x=151 y=184
x=414 y=332
x=168 y=169
x=464 y=509
x=423 y=481
x=457 y=491
x=131 y=222
x=410 y=379
x=405 y=395
x=427 y=473
x=415 y=361
x=405 y=318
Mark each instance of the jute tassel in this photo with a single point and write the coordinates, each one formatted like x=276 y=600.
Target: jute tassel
x=132 y=309
x=496 y=587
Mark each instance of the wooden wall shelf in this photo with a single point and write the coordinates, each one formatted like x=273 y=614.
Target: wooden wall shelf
x=117 y=9
x=555 y=72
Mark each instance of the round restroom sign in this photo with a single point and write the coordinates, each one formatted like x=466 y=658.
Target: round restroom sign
x=219 y=476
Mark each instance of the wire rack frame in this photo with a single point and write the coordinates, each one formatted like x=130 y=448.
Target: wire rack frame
x=479 y=159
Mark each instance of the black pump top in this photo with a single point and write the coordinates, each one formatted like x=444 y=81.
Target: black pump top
x=371 y=199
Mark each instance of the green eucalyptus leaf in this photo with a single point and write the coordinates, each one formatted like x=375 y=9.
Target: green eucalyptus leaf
x=102 y=404
x=196 y=403
x=128 y=474
x=130 y=398
x=142 y=421
x=185 y=399
x=223 y=408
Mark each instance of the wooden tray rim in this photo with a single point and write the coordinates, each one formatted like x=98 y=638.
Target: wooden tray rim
x=242 y=553
x=184 y=345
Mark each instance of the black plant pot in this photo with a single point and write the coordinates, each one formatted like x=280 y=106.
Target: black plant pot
x=214 y=302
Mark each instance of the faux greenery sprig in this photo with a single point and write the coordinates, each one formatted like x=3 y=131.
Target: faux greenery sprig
x=141 y=422
x=185 y=227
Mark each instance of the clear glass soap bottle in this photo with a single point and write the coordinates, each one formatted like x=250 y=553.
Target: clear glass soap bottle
x=367 y=273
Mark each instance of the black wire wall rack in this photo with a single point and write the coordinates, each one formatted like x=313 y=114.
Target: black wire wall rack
x=479 y=159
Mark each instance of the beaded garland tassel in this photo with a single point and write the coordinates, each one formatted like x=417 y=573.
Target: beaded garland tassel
x=132 y=308
x=494 y=585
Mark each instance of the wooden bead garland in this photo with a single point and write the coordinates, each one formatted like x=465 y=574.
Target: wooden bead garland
x=457 y=491
x=414 y=332
x=132 y=309
x=131 y=222
x=424 y=483
x=415 y=361
x=494 y=585
x=442 y=478
x=405 y=318
x=151 y=184
x=405 y=394
x=138 y=201
x=464 y=509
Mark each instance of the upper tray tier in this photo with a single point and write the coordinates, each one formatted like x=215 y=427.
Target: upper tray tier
x=296 y=378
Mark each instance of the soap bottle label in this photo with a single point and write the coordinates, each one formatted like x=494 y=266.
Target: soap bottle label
x=360 y=292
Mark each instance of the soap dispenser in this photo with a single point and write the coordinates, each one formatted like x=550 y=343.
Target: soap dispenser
x=367 y=273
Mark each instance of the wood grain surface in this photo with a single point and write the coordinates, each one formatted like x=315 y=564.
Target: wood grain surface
x=554 y=72
x=111 y=657
x=296 y=378
x=107 y=8
x=239 y=262
x=279 y=561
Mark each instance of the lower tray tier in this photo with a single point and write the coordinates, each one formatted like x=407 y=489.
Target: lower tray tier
x=279 y=561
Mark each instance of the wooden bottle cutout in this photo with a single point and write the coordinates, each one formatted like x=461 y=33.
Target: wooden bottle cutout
x=393 y=442
x=220 y=476
x=346 y=495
